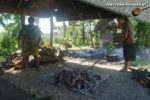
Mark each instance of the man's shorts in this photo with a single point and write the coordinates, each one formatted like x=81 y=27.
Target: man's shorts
x=129 y=51
x=30 y=50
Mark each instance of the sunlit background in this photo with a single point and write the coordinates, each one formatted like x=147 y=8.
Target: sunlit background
x=44 y=24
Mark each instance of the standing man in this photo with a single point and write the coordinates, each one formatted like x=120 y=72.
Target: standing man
x=128 y=42
x=31 y=37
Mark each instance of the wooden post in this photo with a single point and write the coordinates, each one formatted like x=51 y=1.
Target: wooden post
x=51 y=31
x=64 y=29
x=20 y=41
x=83 y=32
x=91 y=36
x=22 y=20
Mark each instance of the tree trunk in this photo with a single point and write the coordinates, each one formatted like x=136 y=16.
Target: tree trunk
x=64 y=29
x=91 y=36
x=20 y=41
x=83 y=33
x=51 y=31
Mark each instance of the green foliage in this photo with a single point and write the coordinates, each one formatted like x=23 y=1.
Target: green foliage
x=12 y=25
x=79 y=33
x=142 y=33
x=45 y=37
x=8 y=45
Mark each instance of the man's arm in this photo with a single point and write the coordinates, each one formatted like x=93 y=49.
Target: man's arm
x=39 y=36
x=125 y=36
x=126 y=29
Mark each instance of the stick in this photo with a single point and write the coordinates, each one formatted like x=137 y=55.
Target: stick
x=100 y=59
x=62 y=62
x=145 y=7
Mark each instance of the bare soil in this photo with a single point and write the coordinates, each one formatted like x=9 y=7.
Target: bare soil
x=119 y=86
x=9 y=91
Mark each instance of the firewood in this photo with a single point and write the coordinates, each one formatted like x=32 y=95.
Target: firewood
x=47 y=55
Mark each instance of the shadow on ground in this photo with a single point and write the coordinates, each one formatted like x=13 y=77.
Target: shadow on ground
x=9 y=91
x=119 y=86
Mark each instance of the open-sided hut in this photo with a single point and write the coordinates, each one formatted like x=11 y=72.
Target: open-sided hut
x=74 y=9
x=61 y=9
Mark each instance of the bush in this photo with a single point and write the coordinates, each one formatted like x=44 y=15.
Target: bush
x=8 y=45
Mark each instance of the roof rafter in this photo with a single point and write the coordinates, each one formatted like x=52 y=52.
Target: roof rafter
x=75 y=8
x=19 y=3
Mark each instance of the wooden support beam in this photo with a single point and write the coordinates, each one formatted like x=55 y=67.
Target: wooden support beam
x=58 y=8
x=23 y=19
x=30 y=12
x=99 y=15
x=75 y=8
x=64 y=29
x=51 y=30
x=19 y=3
x=30 y=3
x=20 y=41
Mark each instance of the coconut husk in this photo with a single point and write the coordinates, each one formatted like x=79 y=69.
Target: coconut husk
x=142 y=76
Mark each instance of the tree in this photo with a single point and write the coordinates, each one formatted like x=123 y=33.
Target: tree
x=12 y=25
x=91 y=36
x=64 y=29
x=142 y=33
x=83 y=32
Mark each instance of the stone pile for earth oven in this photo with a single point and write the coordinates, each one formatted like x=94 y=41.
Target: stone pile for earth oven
x=47 y=55
x=142 y=76
x=77 y=80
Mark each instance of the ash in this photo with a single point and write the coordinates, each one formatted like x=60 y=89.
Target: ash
x=78 y=80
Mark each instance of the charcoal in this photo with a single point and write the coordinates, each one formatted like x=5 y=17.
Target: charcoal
x=77 y=80
x=97 y=77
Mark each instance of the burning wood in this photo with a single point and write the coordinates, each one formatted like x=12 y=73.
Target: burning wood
x=77 y=80
x=142 y=76
x=47 y=55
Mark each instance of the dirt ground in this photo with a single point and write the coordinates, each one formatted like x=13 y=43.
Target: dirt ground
x=119 y=86
x=9 y=91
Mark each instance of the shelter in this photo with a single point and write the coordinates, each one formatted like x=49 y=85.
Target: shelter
x=70 y=9
x=61 y=9
x=124 y=7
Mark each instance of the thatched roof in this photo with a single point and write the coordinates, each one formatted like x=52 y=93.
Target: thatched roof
x=76 y=9
x=62 y=9
x=124 y=7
